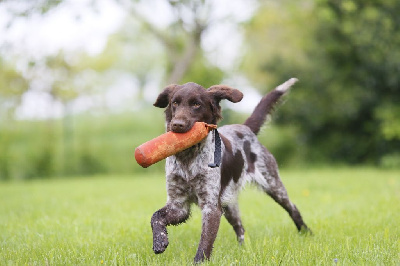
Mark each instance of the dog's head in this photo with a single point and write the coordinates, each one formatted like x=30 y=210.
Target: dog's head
x=190 y=103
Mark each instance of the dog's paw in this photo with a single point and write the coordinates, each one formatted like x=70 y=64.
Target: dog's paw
x=160 y=243
x=305 y=231
x=199 y=258
x=240 y=240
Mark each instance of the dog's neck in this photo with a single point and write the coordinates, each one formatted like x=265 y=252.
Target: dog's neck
x=202 y=151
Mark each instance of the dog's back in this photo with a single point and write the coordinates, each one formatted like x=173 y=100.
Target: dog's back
x=245 y=157
x=245 y=160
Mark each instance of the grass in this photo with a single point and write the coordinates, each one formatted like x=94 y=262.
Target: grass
x=354 y=214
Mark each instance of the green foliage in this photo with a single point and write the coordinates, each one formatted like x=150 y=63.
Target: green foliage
x=27 y=8
x=203 y=73
x=347 y=59
x=283 y=143
x=389 y=115
x=105 y=220
x=344 y=109
x=391 y=160
x=12 y=86
x=98 y=144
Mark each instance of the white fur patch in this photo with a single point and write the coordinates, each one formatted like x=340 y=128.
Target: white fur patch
x=286 y=85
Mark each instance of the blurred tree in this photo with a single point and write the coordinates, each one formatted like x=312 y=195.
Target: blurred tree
x=346 y=54
x=177 y=54
x=73 y=79
x=12 y=86
x=181 y=41
x=138 y=51
x=26 y=8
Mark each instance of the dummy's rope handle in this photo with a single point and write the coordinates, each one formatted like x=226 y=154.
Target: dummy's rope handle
x=217 y=151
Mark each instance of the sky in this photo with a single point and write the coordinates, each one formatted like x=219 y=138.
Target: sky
x=71 y=26
x=75 y=25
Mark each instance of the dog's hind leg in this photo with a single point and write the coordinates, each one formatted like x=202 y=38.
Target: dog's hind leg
x=271 y=184
x=172 y=214
x=232 y=214
x=279 y=194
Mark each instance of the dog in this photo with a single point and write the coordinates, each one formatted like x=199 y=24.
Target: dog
x=215 y=188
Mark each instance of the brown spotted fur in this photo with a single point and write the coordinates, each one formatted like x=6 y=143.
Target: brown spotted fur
x=215 y=190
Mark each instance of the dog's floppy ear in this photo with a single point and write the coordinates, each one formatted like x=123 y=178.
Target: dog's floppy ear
x=221 y=92
x=164 y=97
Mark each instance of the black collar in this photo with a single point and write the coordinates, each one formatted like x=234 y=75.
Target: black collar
x=217 y=151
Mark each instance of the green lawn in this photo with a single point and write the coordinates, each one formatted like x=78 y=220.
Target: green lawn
x=354 y=214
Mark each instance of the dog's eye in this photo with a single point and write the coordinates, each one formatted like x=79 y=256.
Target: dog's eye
x=175 y=104
x=196 y=105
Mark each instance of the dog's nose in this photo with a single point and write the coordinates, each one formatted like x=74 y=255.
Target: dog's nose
x=178 y=126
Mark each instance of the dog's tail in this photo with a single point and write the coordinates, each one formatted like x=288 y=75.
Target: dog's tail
x=266 y=105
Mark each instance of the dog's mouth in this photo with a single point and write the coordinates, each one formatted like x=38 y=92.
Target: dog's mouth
x=180 y=126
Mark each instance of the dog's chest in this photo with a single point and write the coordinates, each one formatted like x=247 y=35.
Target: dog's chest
x=192 y=162
x=188 y=171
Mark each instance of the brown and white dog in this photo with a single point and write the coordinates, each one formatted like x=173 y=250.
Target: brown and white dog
x=215 y=190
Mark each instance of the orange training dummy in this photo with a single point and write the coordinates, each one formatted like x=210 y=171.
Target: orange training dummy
x=170 y=143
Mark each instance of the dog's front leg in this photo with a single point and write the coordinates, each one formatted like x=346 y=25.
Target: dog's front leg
x=210 y=224
x=172 y=213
